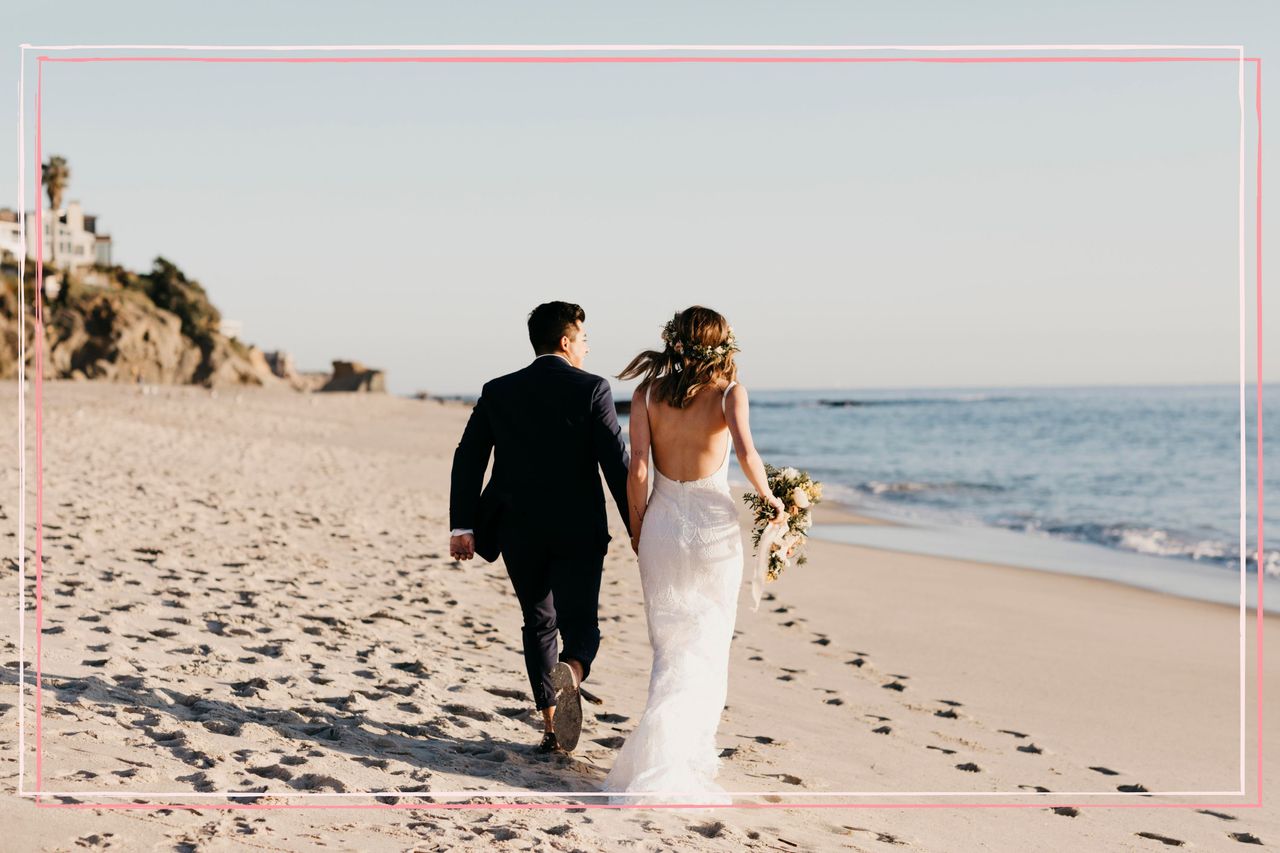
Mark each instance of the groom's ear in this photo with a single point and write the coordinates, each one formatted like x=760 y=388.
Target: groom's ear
x=572 y=334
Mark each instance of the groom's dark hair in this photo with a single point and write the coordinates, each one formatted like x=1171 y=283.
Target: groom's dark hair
x=551 y=321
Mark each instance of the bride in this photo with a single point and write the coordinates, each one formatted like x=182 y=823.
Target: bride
x=687 y=407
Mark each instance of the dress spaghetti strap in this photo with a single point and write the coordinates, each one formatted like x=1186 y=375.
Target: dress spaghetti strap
x=725 y=396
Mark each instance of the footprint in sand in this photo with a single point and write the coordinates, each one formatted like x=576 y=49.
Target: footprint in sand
x=1132 y=789
x=507 y=712
x=318 y=782
x=1163 y=839
x=221 y=727
x=469 y=712
x=881 y=730
x=1245 y=838
x=1031 y=748
x=612 y=718
x=969 y=767
x=610 y=742
x=894 y=685
x=942 y=749
x=249 y=688
x=884 y=837
x=1015 y=734
x=1105 y=771
x=273 y=771
x=947 y=713
x=1066 y=811
x=714 y=829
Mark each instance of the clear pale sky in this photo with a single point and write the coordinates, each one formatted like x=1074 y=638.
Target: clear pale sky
x=861 y=225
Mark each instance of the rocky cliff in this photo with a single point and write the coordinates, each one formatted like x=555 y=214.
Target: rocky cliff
x=157 y=328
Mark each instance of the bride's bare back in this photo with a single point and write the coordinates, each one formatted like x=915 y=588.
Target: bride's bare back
x=689 y=443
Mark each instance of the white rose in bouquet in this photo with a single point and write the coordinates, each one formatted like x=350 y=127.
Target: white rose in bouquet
x=800 y=498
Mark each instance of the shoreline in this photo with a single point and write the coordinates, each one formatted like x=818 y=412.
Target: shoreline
x=836 y=514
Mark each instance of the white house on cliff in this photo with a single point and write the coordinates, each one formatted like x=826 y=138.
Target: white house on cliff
x=70 y=239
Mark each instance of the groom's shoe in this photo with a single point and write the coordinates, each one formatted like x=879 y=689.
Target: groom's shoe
x=567 y=721
x=549 y=743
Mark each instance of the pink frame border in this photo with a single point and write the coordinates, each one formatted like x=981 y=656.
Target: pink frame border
x=39 y=326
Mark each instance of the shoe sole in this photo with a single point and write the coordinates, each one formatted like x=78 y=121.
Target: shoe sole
x=567 y=722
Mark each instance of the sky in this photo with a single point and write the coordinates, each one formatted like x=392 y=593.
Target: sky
x=861 y=226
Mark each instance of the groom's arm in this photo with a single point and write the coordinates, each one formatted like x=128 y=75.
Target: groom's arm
x=611 y=450
x=470 y=460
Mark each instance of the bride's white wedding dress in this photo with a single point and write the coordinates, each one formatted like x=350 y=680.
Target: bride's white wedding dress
x=690 y=554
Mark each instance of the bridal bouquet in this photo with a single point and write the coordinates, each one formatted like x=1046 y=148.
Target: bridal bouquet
x=777 y=546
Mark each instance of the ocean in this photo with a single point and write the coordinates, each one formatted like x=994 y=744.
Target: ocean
x=1135 y=483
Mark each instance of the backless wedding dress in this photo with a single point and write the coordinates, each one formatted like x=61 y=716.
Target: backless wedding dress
x=691 y=565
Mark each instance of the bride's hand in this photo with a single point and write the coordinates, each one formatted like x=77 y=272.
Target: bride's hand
x=779 y=509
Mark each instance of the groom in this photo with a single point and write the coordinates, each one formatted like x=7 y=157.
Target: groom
x=551 y=427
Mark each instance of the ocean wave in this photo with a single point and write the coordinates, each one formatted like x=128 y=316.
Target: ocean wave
x=917 y=401
x=908 y=487
x=1142 y=539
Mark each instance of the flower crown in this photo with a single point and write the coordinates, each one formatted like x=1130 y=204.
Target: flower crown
x=698 y=352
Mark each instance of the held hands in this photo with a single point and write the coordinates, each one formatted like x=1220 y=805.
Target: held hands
x=462 y=547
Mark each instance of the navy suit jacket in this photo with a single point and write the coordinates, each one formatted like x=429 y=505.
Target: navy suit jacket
x=552 y=428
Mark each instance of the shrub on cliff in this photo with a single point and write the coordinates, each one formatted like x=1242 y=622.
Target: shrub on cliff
x=169 y=289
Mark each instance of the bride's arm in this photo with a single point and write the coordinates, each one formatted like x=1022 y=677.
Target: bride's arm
x=736 y=413
x=638 y=472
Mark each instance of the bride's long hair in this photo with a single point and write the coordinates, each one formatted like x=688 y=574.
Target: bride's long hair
x=698 y=350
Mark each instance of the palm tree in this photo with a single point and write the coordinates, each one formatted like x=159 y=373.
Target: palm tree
x=55 y=174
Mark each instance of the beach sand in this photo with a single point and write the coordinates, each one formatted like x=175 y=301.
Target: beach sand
x=251 y=591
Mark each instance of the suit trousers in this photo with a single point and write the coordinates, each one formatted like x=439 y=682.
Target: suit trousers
x=557 y=580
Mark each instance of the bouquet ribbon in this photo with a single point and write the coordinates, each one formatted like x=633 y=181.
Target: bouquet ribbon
x=772 y=533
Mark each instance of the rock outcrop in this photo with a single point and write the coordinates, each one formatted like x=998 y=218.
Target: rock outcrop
x=354 y=376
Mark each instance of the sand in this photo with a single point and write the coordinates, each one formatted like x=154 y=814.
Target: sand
x=251 y=592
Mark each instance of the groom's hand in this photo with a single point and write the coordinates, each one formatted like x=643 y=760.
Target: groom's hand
x=462 y=547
